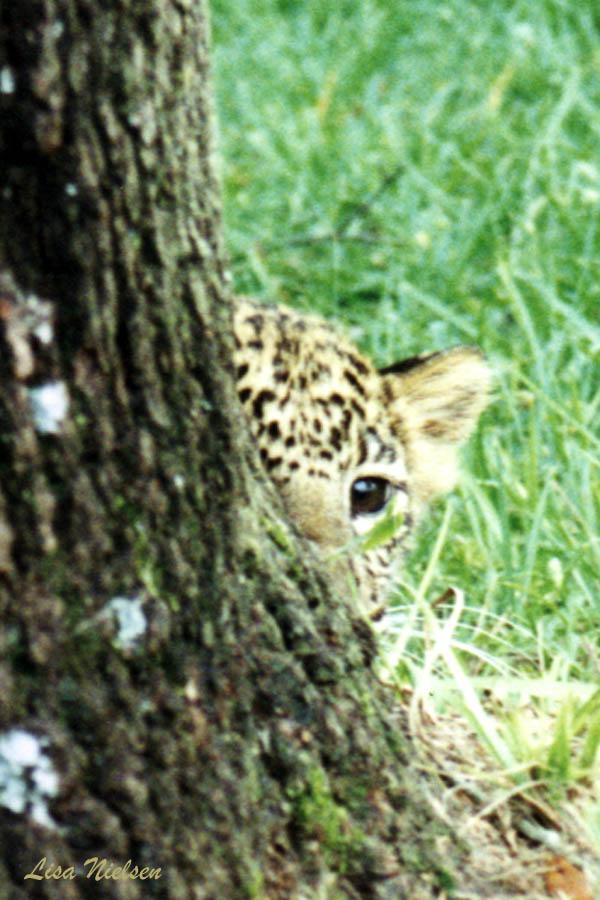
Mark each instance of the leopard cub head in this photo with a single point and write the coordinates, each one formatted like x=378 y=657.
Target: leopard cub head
x=347 y=445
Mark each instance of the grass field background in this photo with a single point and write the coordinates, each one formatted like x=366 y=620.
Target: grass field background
x=428 y=174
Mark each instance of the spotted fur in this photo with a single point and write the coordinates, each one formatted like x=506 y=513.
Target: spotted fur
x=329 y=427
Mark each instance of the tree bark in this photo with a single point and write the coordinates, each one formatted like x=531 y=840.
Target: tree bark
x=179 y=686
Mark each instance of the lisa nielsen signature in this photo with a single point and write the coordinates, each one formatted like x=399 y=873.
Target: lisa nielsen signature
x=97 y=868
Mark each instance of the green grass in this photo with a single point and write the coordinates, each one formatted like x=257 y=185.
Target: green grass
x=428 y=173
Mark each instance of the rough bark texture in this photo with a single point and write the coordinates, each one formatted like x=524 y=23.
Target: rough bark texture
x=240 y=741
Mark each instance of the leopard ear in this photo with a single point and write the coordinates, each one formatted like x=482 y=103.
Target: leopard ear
x=435 y=402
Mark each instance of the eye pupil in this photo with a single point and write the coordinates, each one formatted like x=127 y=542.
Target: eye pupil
x=369 y=495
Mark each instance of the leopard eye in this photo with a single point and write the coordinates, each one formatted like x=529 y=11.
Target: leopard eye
x=369 y=495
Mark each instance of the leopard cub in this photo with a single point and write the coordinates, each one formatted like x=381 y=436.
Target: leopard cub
x=346 y=444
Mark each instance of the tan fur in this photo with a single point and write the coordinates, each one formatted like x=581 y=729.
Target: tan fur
x=326 y=423
x=436 y=407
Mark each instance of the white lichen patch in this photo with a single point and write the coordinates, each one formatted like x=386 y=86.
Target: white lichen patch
x=131 y=620
x=27 y=777
x=7 y=81
x=37 y=318
x=57 y=29
x=49 y=405
x=44 y=332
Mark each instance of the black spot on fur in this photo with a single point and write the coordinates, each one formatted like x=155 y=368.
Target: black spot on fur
x=405 y=365
x=284 y=400
x=346 y=419
x=358 y=364
x=358 y=409
x=349 y=376
x=256 y=320
x=259 y=401
x=362 y=450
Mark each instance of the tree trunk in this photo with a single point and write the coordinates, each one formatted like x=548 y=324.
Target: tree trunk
x=178 y=688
